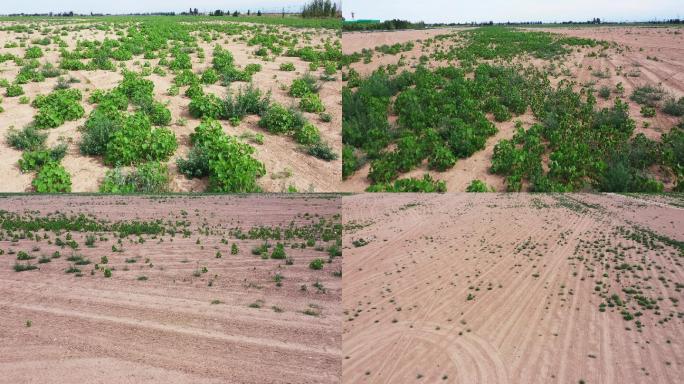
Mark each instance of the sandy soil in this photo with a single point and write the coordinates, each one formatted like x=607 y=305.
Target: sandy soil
x=168 y=329
x=537 y=268
x=278 y=153
x=629 y=61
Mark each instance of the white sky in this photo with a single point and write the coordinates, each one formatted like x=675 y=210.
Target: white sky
x=433 y=11
x=140 y=6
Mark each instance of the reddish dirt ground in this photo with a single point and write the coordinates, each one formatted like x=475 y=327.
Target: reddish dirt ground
x=491 y=288
x=170 y=328
x=630 y=62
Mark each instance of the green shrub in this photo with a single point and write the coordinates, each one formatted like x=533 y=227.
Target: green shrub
x=311 y=102
x=33 y=160
x=151 y=177
x=210 y=76
x=52 y=178
x=29 y=138
x=648 y=111
x=322 y=151
x=278 y=119
x=604 y=92
x=136 y=141
x=648 y=95
x=14 y=90
x=674 y=107
x=287 y=67
x=231 y=165
x=33 y=53
x=278 y=252
x=97 y=131
x=158 y=113
x=196 y=165
x=303 y=86
x=181 y=61
x=350 y=163
x=207 y=106
x=308 y=134
x=186 y=77
x=248 y=101
x=477 y=186
x=57 y=107
x=426 y=184
x=317 y=264
x=441 y=158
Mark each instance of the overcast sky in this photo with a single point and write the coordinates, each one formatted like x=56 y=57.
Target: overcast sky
x=139 y=6
x=512 y=10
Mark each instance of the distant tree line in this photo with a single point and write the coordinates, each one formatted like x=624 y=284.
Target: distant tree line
x=387 y=25
x=220 y=12
x=321 y=8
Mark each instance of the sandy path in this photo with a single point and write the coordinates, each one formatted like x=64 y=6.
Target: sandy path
x=529 y=262
x=165 y=328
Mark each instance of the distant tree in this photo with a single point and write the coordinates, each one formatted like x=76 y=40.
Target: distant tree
x=218 y=12
x=321 y=8
x=258 y=13
x=249 y=12
x=196 y=12
x=236 y=14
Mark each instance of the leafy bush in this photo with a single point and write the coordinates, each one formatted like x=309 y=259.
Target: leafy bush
x=311 y=103
x=33 y=53
x=97 y=131
x=278 y=252
x=185 y=77
x=674 y=107
x=57 y=107
x=648 y=95
x=181 y=61
x=350 y=163
x=29 y=138
x=648 y=111
x=248 y=101
x=231 y=167
x=604 y=92
x=308 y=134
x=322 y=151
x=151 y=177
x=317 y=264
x=136 y=141
x=32 y=160
x=278 y=119
x=441 y=158
x=287 y=67
x=426 y=184
x=158 y=113
x=304 y=85
x=14 y=90
x=207 y=106
x=210 y=76
x=196 y=165
x=477 y=186
x=52 y=178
